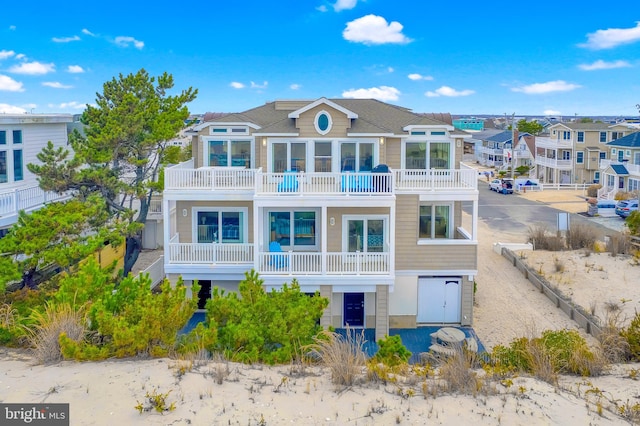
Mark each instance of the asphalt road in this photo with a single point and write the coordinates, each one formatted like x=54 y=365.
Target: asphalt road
x=513 y=214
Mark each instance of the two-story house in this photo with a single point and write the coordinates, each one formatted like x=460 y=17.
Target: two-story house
x=621 y=169
x=572 y=152
x=498 y=150
x=358 y=199
x=22 y=137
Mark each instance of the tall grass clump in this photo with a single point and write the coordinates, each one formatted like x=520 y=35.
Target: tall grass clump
x=542 y=239
x=48 y=325
x=615 y=347
x=580 y=236
x=457 y=372
x=343 y=355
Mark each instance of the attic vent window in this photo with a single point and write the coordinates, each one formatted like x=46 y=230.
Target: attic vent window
x=323 y=122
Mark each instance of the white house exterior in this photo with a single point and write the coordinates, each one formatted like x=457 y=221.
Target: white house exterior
x=22 y=137
x=294 y=189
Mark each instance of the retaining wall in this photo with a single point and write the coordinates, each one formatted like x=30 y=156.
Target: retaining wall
x=563 y=302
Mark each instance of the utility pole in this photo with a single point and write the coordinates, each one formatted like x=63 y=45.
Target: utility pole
x=513 y=143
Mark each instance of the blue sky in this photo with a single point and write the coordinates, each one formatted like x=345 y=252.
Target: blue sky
x=544 y=57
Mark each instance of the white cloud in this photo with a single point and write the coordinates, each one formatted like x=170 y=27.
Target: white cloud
x=372 y=29
x=68 y=105
x=12 y=27
x=551 y=112
x=75 y=69
x=125 y=41
x=56 y=85
x=602 y=65
x=65 y=39
x=449 y=92
x=344 y=5
x=295 y=86
x=21 y=56
x=8 y=84
x=612 y=37
x=236 y=85
x=382 y=93
x=259 y=86
x=4 y=54
x=390 y=70
x=33 y=68
x=322 y=8
x=87 y=32
x=417 y=77
x=548 y=87
x=11 y=109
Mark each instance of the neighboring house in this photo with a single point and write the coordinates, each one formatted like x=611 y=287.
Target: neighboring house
x=22 y=137
x=355 y=198
x=573 y=151
x=621 y=169
x=495 y=149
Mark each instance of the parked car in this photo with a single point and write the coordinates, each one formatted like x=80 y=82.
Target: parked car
x=625 y=207
x=502 y=185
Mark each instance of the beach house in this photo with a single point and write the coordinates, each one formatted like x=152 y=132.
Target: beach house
x=365 y=202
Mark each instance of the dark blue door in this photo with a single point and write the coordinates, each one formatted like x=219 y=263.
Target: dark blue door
x=354 y=309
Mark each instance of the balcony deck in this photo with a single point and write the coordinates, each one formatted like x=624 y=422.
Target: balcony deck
x=258 y=183
x=28 y=199
x=554 y=163
x=281 y=263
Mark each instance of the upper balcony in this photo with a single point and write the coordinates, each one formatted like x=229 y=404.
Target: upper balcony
x=554 y=163
x=256 y=183
x=553 y=143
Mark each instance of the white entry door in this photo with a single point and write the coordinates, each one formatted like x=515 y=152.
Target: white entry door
x=439 y=300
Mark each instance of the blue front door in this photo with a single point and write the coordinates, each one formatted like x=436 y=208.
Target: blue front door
x=354 y=309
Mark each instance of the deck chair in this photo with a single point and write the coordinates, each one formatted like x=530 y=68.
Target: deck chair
x=289 y=182
x=277 y=260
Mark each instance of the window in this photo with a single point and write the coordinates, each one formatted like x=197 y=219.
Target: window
x=323 y=122
x=418 y=133
x=579 y=157
x=222 y=130
x=322 y=156
x=566 y=155
x=596 y=177
x=4 y=175
x=289 y=156
x=636 y=158
x=616 y=135
x=229 y=153
x=365 y=234
x=293 y=229
x=17 y=136
x=603 y=155
x=356 y=156
x=566 y=136
x=580 y=136
x=634 y=185
x=438 y=133
x=223 y=226
x=603 y=137
x=436 y=155
x=3 y=137
x=17 y=165
x=434 y=221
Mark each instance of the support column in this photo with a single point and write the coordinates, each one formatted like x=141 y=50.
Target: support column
x=382 y=311
x=327 y=292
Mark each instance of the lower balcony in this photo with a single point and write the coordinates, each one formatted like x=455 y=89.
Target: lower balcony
x=278 y=263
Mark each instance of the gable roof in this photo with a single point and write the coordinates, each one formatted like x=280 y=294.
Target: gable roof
x=504 y=136
x=619 y=169
x=629 y=141
x=369 y=116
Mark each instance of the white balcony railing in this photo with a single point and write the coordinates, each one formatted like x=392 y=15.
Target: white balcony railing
x=554 y=163
x=321 y=184
x=281 y=263
x=436 y=179
x=29 y=198
x=553 y=143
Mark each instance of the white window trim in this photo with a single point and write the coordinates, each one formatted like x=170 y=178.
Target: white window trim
x=429 y=241
x=10 y=147
x=267 y=228
x=226 y=139
x=329 y=126
x=345 y=228
x=403 y=149
x=200 y=209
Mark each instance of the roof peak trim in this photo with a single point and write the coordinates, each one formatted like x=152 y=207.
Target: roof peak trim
x=323 y=101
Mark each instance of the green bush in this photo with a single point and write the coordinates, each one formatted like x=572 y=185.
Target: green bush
x=560 y=351
x=632 y=335
x=128 y=320
x=391 y=351
x=256 y=326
